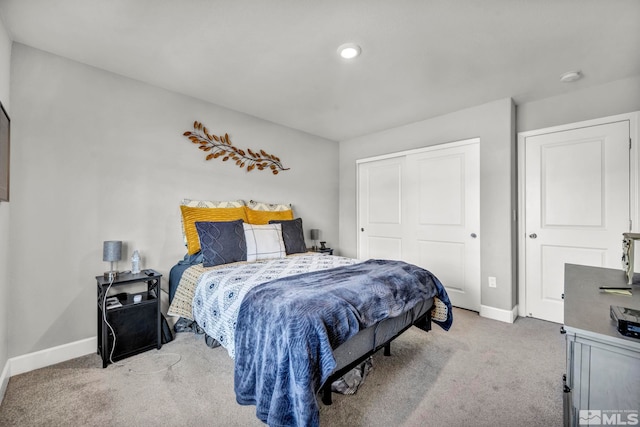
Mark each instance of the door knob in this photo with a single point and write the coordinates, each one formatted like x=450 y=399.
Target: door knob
x=474 y=235
x=533 y=235
x=362 y=229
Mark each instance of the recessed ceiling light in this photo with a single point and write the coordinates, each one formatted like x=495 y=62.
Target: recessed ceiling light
x=570 y=76
x=349 y=50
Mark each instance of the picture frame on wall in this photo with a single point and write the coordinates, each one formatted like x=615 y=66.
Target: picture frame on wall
x=5 y=125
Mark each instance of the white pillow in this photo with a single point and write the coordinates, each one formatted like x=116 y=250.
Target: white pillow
x=264 y=241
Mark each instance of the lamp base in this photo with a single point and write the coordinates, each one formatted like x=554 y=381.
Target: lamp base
x=110 y=275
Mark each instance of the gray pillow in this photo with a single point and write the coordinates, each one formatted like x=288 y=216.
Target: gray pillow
x=292 y=234
x=222 y=242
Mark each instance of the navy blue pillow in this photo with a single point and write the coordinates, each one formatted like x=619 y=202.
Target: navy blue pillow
x=292 y=234
x=222 y=242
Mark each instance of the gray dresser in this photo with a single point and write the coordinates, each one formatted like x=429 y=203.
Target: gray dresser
x=603 y=366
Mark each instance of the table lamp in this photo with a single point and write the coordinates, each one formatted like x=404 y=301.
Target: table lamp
x=315 y=236
x=111 y=252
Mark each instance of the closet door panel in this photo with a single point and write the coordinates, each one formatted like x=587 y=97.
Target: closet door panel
x=423 y=207
x=443 y=213
x=380 y=209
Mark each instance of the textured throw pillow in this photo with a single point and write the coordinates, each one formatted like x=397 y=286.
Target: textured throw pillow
x=271 y=207
x=212 y=203
x=222 y=242
x=192 y=215
x=262 y=213
x=264 y=241
x=263 y=217
x=293 y=235
x=207 y=204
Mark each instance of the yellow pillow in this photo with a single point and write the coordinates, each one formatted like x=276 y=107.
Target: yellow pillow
x=191 y=215
x=207 y=204
x=263 y=217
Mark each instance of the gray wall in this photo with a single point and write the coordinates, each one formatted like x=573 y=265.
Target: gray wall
x=496 y=124
x=493 y=123
x=618 y=97
x=5 y=66
x=96 y=157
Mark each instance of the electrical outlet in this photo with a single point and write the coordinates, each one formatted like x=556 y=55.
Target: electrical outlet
x=492 y=282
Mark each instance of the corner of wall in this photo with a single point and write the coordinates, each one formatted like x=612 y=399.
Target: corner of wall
x=514 y=206
x=5 y=72
x=51 y=356
x=44 y=358
x=4 y=380
x=507 y=316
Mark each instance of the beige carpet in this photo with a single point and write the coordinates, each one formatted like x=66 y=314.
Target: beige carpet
x=481 y=373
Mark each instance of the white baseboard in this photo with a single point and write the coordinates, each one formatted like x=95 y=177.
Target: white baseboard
x=4 y=380
x=508 y=316
x=51 y=356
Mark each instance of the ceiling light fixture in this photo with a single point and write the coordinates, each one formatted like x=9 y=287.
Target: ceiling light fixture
x=349 y=50
x=570 y=76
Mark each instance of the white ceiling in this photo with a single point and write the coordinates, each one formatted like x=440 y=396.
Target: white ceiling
x=276 y=59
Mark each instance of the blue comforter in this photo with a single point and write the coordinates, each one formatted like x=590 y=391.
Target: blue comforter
x=287 y=328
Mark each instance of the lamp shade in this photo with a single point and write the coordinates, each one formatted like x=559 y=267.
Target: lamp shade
x=112 y=250
x=315 y=234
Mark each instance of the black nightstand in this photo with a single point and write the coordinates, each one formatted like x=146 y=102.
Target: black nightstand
x=137 y=326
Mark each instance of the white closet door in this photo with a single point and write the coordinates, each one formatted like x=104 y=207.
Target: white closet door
x=443 y=188
x=380 y=209
x=423 y=207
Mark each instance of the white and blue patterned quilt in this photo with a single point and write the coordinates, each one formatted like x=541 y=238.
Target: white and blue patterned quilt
x=220 y=292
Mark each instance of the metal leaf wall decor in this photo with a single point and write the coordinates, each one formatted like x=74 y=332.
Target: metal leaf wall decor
x=220 y=146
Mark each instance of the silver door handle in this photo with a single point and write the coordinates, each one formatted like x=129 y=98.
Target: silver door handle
x=533 y=235
x=474 y=235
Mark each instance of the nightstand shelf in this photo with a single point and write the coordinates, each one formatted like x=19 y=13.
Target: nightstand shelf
x=137 y=326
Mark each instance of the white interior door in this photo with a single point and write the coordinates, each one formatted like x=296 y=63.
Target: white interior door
x=444 y=218
x=380 y=209
x=577 y=207
x=423 y=207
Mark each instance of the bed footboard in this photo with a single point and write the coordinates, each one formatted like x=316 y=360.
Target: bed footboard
x=326 y=387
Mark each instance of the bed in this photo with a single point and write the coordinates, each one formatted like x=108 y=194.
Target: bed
x=297 y=321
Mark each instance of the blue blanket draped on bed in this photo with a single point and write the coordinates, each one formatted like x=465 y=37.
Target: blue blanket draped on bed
x=288 y=327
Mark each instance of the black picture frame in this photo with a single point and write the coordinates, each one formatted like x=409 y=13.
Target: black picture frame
x=5 y=136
